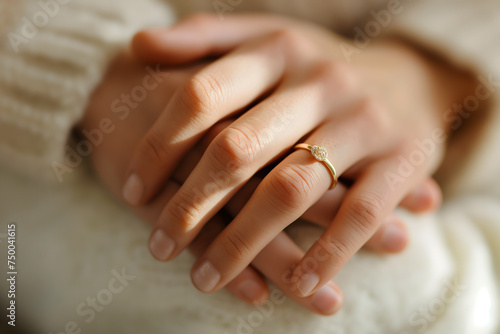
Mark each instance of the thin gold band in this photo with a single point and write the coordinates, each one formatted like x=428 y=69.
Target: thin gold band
x=320 y=154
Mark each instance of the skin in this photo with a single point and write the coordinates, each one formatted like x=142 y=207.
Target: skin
x=362 y=113
x=277 y=254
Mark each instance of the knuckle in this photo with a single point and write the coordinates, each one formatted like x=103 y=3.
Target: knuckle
x=366 y=212
x=202 y=93
x=338 y=250
x=154 y=147
x=294 y=184
x=183 y=211
x=374 y=113
x=238 y=146
x=236 y=246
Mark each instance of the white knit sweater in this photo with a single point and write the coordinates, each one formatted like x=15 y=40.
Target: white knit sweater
x=73 y=239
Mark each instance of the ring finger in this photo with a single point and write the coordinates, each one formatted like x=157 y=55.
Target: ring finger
x=252 y=141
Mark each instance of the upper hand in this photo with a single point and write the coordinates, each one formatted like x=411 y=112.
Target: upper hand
x=111 y=156
x=373 y=116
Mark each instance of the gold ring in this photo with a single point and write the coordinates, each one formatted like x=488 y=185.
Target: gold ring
x=321 y=154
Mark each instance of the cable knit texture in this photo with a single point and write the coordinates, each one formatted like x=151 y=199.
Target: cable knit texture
x=446 y=282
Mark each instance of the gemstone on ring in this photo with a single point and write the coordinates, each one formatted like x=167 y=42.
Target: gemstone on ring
x=319 y=152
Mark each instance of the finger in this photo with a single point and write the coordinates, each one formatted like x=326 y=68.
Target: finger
x=323 y=211
x=320 y=213
x=391 y=237
x=275 y=261
x=251 y=142
x=249 y=285
x=209 y=96
x=200 y=36
x=427 y=197
x=373 y=197
x=192 y=158
x=282 y=197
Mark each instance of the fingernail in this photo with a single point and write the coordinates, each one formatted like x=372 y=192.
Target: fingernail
x=133 y=189
x=161 y=245
x=206 y=277
x=394 y=238
x=252 y=291
x=327 y=300
x=307 y=283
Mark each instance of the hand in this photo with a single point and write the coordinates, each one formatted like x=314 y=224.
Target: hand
x=290 y=72
x=112 y=154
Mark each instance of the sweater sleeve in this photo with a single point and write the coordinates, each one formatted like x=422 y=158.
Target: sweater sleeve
x=465 y=33
x=54 y=54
